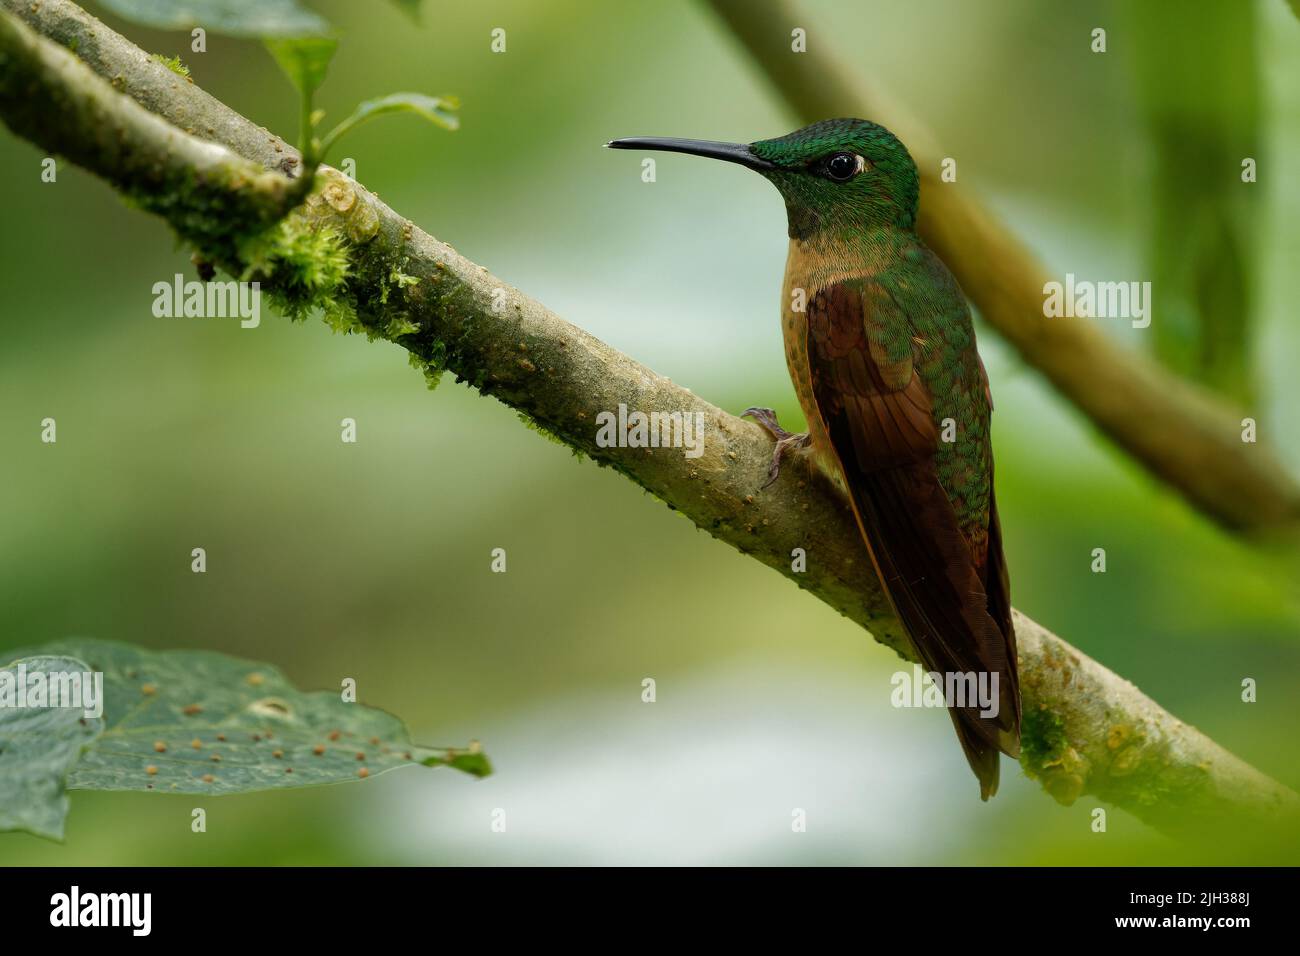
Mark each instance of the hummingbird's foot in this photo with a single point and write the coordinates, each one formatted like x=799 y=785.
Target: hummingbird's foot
x=785 y=441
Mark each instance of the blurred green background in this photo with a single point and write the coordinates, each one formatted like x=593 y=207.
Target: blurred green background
x=371 y=560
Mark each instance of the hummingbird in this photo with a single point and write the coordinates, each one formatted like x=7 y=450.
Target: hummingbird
x=881 y=350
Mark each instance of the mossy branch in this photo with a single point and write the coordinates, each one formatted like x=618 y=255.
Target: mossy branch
x=1177 y=431
x=1088 y=731
x=203 y=188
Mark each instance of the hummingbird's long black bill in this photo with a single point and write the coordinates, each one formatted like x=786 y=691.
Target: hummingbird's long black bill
x=727 y=152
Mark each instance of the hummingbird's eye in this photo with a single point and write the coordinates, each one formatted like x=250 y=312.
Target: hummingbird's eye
x=844 y=166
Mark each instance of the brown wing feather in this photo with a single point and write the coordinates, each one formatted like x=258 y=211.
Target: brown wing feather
x=882 y=429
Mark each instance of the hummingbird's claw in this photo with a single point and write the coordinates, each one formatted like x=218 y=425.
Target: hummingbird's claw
x=785 y=441
x=766 y=417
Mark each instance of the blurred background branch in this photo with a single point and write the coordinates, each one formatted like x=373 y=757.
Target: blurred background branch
x=1178 y=431
x=1201 y=106
x=1088 y=731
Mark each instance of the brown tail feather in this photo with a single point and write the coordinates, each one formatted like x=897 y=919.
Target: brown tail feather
x=929 y=573
x=982 y=757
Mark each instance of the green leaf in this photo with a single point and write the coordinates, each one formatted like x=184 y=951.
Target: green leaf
x=38 y=746
x=436 y=109
x=200 y=722
x=242 y=18
x=304 y=60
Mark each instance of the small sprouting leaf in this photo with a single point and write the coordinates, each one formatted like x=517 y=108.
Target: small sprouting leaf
x=439 y=110
x=304 y=59
x=243 y=18
x=436 y=109
x=194 y=722
x=38 y=745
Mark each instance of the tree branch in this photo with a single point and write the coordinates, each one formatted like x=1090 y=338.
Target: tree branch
x=1178 y=431
x=1086 y=730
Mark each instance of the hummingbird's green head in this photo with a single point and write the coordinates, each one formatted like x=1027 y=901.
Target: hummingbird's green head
x=842 y=174
x=838 y=177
